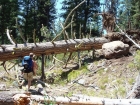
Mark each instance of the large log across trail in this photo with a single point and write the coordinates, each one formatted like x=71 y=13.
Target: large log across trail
x=9 y=52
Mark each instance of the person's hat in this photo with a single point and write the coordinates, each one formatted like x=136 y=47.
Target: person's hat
x=31 y=54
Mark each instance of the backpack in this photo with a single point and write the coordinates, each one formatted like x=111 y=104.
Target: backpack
x=27 y=64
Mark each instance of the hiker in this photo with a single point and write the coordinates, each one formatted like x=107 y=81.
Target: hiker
x=28 y=69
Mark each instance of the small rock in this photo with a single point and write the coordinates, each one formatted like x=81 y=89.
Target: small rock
x=105 y=69
x=99 y=64
x=81 y=81
x=2 y=87
x=39 y=86
x=114 y=70
x=96 y=88
x=110 y=65
x=15 y=84
x=90 y=67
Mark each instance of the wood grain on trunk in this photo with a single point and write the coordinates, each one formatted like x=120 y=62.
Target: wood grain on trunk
x=9 y=52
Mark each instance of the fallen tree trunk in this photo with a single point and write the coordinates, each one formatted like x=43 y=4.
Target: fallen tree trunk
x=74 y=100
x=8 y=52
x=135 y=92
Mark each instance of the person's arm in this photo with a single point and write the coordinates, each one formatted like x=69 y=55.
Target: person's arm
x=34 y=72
x=36 y=66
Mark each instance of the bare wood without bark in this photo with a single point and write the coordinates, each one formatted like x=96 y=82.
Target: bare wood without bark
x=10 y=52
x=81 y=100
x=135 y=92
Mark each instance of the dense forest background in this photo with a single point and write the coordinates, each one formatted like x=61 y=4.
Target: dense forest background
x=39 y=17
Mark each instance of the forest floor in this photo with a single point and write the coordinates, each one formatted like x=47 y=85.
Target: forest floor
x=110 y=78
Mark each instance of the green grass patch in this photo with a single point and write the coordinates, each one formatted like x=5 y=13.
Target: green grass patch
x=100 y=71
x=96 y=62
x=64 y=57
x=102 y=82
x=120 y=80
x=103 y=87
x=137 y=60
x=1 y=68
x=131 y=65
x=73 y=75
x=76 y=73
x=119 y=91
x=56 y=74
x=131 y=81
x=59 y=81
x=122 y=91
x=70 y=93
x=89 y=92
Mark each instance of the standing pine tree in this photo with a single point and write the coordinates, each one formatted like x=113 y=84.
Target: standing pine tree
x=34 y=13
x=136 y=13
x=83 y=15
x=8 y=13
x=46 y=15
x=125 y=14
x=129 y=14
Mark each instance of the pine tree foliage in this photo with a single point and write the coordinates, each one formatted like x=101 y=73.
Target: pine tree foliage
x=35 y=13
x=83 y=15
x=129 y=14
x=8 y=13
x=124 y=14
x=30 y=15
x=136 y=15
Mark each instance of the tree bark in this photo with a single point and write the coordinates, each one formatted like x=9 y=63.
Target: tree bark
x=8 y=52
x=43 y=77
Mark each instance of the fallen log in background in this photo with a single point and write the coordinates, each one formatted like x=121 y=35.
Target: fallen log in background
x=135 y=92
x=9 y=52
